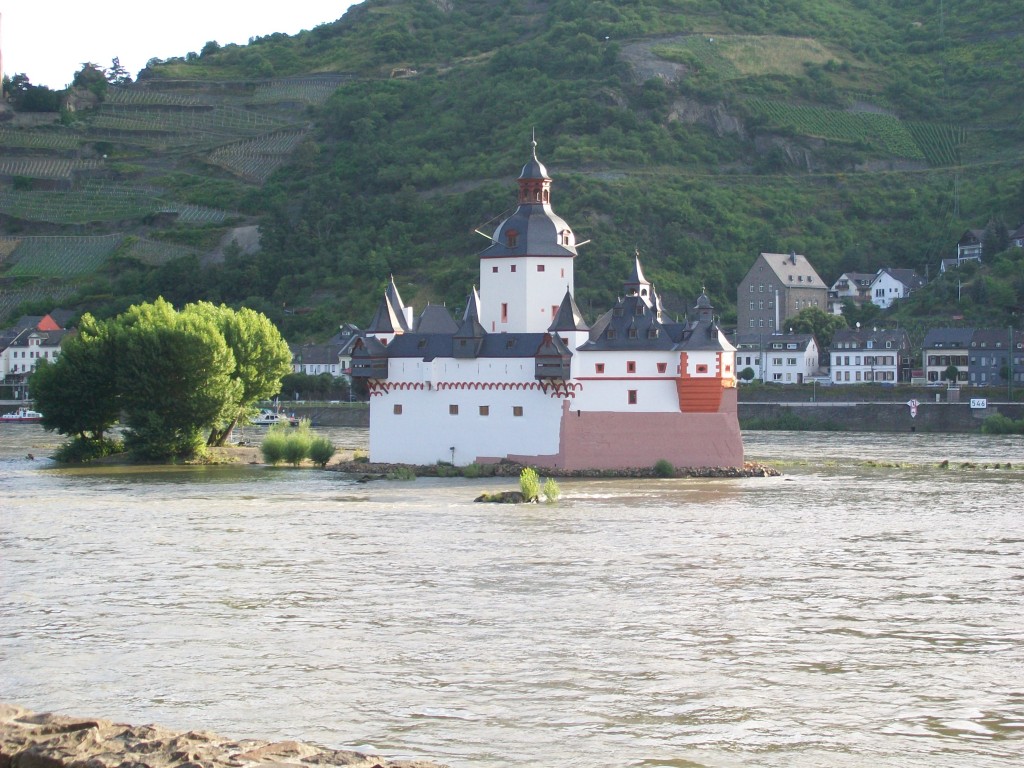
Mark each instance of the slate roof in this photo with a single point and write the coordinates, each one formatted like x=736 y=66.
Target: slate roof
x=435 y=319
x=877 y=336
x=568 y=317
x=948 y=338
x=390 y=314
x=908 y=277
x=538 y=229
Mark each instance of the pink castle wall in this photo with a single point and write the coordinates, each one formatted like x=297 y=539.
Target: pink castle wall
x=615 y=440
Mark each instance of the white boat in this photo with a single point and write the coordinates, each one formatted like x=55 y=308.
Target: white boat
x=22 y=416
x=267 y=417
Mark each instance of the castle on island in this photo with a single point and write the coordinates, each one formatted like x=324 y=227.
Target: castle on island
x=521 y=376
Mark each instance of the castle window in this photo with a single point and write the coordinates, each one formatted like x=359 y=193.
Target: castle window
x=540 y=267
x=702 y=368
x=630 y=366
x=511 y=237
x=453 y=410
x=631 y=397
x=485 y=410
x=504 y=313
x=494 y=269
x=517 y=410
x=397 y=409
x=512 y=268
x=598 y=367
x=662 y=367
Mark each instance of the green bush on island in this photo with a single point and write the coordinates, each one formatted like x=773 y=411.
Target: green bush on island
x=321 y=451
x=551 y=490
x=529 y=484
x=401 y=473
x=82 y=449
x=272 y=446
x=664 y=468
x=295 y=445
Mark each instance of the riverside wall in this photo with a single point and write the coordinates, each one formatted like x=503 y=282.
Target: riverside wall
x=873 y=417
x=797 y=411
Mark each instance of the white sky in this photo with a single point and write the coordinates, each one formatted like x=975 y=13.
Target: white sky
x=49 y=40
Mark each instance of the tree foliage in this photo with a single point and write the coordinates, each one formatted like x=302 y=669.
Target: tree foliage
x=172 y=375
x=821 y=324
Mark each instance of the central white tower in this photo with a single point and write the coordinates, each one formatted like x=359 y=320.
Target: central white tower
x=527 y=269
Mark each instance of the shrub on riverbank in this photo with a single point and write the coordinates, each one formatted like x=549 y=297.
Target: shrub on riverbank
x=82 y=449
x=997 y=424
x=295 y=445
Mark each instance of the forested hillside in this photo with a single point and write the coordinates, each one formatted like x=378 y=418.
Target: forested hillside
x=862 y=134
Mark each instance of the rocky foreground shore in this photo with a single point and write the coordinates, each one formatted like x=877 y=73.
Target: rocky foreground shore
x=31 y=740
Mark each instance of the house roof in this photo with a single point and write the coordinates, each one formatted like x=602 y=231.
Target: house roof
x=993 y=338
x=877 y=336
x=955 y=338
x=753 y=340
x=908 y=277
x=316 y=354
x=793 y=270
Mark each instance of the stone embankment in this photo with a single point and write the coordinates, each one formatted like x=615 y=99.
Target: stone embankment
x=30 y=740
x=513 y=469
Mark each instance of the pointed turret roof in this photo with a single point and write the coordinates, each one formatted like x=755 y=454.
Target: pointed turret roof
x=636 y=284
x=390 y=314
x=568 y=317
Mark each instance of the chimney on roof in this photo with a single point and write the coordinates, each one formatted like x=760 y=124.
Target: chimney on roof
x=792 y=257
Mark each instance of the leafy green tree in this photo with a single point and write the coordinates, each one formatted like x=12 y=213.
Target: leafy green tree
x=76 y=394
x=175 y=373
x=951 y=374
x=816 y=321
x=91 y=77
x=864 y=313
x=261 y=357
x=118 y=74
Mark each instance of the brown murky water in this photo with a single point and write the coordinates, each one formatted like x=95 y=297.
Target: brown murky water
x=865 y=609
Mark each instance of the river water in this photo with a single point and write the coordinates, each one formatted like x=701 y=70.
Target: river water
x=864 y=609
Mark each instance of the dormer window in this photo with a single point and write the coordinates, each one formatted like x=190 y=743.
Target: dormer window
x=511 y=237
x=632 y=333
x=611 y=333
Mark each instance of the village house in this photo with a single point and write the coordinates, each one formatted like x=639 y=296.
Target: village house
x=315 y=359
x=993 y=358
x=776 y=287
x=943 y=347
x=890 y=285
x=31 y=339
x=870 y=356
x=790 y=358
x=851 y=286
x=522 y=376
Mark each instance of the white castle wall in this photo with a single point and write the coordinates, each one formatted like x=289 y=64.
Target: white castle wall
x=425 y=430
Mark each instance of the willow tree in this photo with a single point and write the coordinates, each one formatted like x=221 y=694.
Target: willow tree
x=261 y=356
x=175 y=378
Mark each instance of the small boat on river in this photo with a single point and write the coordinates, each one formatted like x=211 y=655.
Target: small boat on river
x=267 y=418
x=22 y=416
